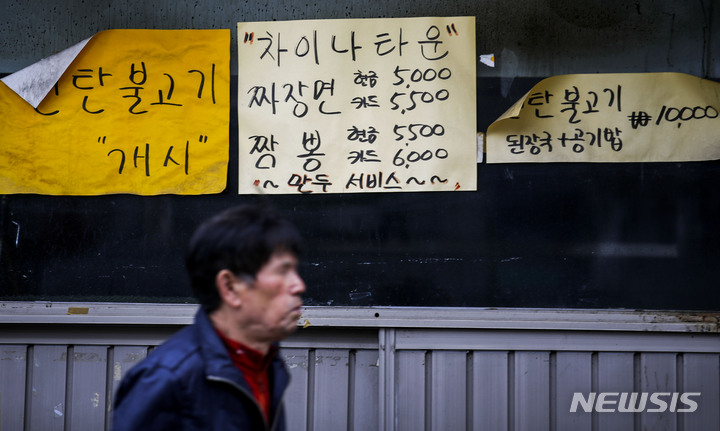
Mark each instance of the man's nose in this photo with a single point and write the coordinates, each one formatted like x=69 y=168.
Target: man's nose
x=298 y=285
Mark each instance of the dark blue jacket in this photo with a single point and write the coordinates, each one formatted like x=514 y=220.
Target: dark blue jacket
x=190 y=383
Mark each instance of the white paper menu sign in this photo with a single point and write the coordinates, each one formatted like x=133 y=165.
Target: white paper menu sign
x=357 y=105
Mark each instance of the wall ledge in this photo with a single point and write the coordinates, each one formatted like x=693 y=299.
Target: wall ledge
x=102 y=313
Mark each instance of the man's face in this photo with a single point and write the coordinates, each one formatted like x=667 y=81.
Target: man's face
x=271 y=304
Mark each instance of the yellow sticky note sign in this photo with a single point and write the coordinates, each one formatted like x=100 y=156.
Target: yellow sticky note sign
x=138 y=111
x=357 y=105
x=644 y=117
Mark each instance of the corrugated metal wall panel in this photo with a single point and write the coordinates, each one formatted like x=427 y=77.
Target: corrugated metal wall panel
x=615 y=373
x=410 y=391
x=572 y=373
x=531 y=390
x=48 y=380
x=87 y=388
x=340 y=385
x=296 y=397
x=701 y=373
x=364 y=395
x=448 y=390
x=657 y=373
x=490 y=391
x=330 y=395
x=13 y=366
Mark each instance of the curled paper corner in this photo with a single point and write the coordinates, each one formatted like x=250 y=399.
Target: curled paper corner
x=34 y=82
x=514 y=110
x=488 y=59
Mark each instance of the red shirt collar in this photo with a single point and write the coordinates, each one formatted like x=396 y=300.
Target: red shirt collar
x=254 y=366
x=247 y=357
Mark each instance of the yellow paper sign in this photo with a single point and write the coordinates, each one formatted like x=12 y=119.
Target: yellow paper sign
x=357 y=105
x=138 y=111
x=645 y=117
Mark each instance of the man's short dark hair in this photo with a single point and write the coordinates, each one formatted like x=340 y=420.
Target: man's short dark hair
x=241 y=240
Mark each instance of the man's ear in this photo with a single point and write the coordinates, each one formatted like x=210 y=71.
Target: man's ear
x=229 y=288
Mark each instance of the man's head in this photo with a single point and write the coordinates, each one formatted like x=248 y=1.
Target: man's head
x=241 y=240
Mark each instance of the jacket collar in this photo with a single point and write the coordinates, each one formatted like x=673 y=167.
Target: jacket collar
x=219 y=365
x=218 y=362
x=216 y=358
